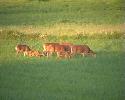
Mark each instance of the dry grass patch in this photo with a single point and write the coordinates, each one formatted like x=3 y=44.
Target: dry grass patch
x=68 y=29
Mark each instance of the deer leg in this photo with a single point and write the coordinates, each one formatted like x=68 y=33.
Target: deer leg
x=83 y=54
x=48 y=54
x=24 y=54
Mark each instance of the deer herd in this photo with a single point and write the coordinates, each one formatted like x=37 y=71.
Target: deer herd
x=62 y=50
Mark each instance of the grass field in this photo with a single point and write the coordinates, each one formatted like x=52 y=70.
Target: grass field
x=61 y=11
x=81 y=78
x=98 y=23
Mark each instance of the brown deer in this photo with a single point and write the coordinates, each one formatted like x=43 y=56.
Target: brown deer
x=20 y=48
x=51 y=48
x=82 y=49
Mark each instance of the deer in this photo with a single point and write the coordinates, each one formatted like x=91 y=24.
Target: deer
x=84 y=50
x=21 y=48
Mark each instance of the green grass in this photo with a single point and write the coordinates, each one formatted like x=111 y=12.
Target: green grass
x=50 y=79
x=97 y=23
x=60 y=11
x=81 y=78
x=59 y=17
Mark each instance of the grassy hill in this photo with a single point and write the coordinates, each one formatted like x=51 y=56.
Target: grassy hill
x=98 y=23
x=63 y=17
x=32 y=12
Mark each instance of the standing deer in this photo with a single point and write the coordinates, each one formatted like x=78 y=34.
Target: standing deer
x=51 y=48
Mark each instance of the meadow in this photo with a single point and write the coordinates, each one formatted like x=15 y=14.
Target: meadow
x=99 y=24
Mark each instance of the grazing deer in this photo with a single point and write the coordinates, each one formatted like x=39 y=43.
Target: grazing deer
x=82 y=49
x=22 y=48
x=51 y=48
